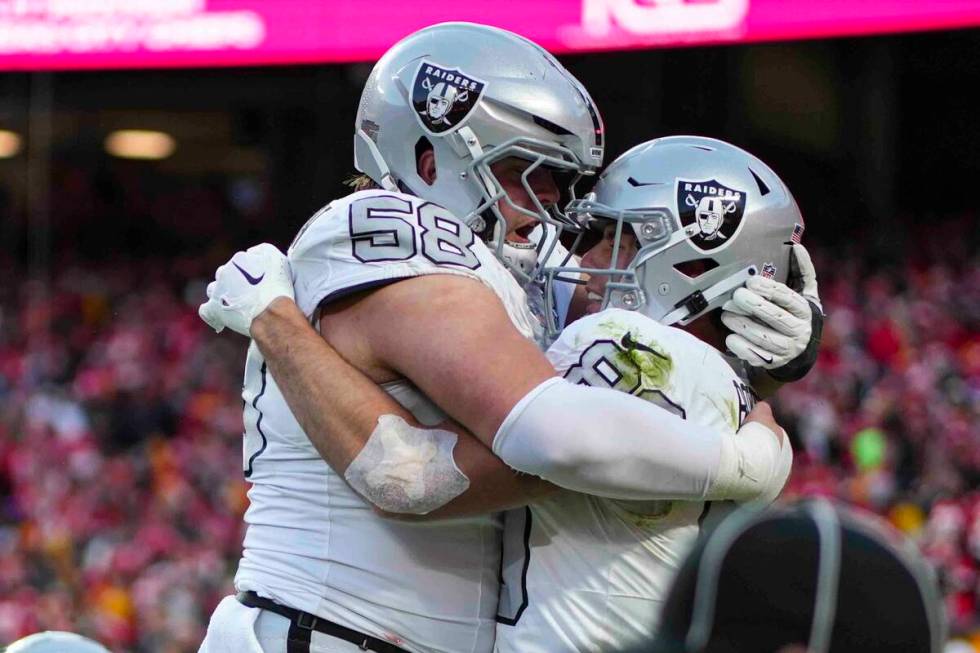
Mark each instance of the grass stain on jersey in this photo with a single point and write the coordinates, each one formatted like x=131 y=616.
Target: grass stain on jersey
x=645 y=361
x=728 y=411
x=644 y=515
x=610 y=327
x=732 y=407
x=644 y=365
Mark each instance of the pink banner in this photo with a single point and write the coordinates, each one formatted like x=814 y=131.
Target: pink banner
x=90 y=34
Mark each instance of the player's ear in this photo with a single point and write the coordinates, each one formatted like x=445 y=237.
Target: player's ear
x=426 y=165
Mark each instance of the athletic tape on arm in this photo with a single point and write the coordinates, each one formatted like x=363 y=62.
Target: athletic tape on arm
x=754 y=466
x=405 y=469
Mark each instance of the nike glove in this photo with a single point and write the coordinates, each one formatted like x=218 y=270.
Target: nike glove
x=777 y=326
x=244 y=286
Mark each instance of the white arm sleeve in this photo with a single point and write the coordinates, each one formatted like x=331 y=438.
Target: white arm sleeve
x=607 y=443
x=610 y=444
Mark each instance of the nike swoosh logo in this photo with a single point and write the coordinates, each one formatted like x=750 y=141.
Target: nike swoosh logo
x=765 y=360
x=636 y=184
x=629 y=343
x=248 y=277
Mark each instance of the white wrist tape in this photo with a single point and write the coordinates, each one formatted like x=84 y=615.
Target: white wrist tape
x=753 y=466
x=405 y=469
x=607 y=443
x=784 y=466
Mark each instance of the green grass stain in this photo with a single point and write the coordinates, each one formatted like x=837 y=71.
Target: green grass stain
x=645 y=363
x=612 y=328
x=652 y=370
x=646 y=515
x=728 y=412
x=732 y=413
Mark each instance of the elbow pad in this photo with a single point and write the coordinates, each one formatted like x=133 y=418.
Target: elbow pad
x=405 y=469
x=608 y=443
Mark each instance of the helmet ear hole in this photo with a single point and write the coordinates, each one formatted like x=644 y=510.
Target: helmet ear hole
x=695 y=268
x=422 y=146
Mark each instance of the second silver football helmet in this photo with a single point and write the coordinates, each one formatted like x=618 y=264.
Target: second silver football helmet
x=477 y=95
x=706 y=216
x=56 y=641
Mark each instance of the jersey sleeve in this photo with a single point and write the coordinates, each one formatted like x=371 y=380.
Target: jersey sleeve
x=374 y=237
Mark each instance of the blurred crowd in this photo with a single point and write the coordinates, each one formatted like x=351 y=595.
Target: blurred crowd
x=890 y=417
x=121 y=490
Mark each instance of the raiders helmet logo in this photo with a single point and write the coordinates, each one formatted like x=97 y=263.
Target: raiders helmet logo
x=444 y=97
x=714 y=209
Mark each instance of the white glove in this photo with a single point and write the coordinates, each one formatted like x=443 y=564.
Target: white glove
x=774 y=326
x=244 y=286
x=803 y=276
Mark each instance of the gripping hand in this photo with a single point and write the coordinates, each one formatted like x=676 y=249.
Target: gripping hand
x=245 y=286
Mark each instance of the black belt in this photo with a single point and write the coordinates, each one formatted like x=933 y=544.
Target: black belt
x=302 y=624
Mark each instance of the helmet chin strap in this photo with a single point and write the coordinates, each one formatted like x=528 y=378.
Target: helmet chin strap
x=522 y=256
x=684 y=313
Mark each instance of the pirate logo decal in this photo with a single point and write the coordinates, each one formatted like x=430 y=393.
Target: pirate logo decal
x=716 y=210
x=444 y=97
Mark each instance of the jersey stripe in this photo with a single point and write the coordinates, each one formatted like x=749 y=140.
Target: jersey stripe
x=258 y=423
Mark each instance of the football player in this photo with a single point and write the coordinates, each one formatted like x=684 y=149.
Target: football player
x=405 y=290
x=586 y=573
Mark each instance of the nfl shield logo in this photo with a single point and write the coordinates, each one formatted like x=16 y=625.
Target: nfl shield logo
x=716 y=211
x=444 y=97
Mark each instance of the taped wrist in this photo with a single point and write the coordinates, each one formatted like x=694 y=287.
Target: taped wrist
x=797 y=368
x=754 y=466
x=607 y=443
x=405 y=469
x=784 y=466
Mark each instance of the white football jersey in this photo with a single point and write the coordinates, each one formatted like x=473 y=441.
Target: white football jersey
x=312 y=543
x=584 y=573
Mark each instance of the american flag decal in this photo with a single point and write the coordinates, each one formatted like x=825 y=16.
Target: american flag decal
x=797 y=233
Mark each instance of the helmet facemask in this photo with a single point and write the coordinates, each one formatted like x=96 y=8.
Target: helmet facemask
x=654 y=230
x=525 y=260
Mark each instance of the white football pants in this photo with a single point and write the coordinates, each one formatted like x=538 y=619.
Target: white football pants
x=235 y=628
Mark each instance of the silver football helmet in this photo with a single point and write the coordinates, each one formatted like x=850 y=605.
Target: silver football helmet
x=706 y=215
x=56 y=641
x=477 y=95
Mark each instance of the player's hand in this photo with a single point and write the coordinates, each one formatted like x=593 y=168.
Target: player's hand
x=762 y=414
x=777 y=326
x=244 y=286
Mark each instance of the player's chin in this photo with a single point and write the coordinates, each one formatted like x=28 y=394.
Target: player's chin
x=593 y=301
